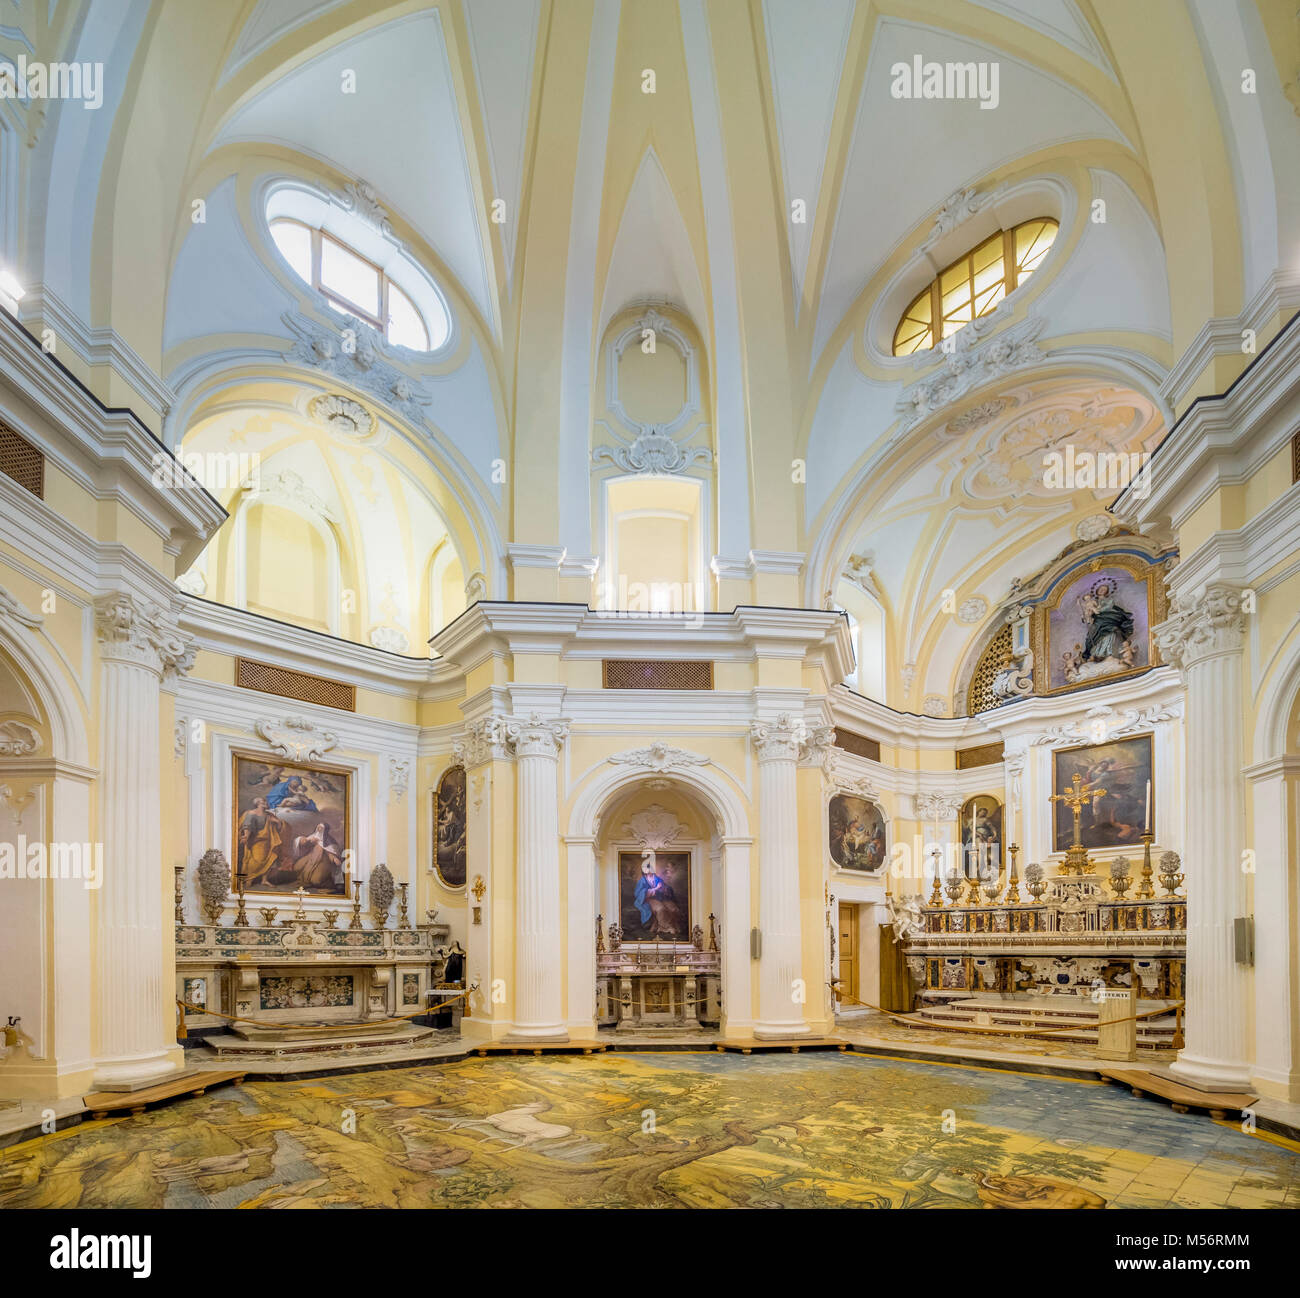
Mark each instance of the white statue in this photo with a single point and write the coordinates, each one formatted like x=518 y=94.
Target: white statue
x=908 y=919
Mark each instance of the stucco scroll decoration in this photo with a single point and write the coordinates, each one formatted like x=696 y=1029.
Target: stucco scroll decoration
x=361 y=199
x=355 y=353
x=399 y=776
x=957 y=209
x=17 y=739
x=654 y=453
x=655 y=827
x=12 y=607
x=658 y=757
x=296 y=738
x=1103 y=723
x=16 y=802
x=970 y=364
x=935 y=808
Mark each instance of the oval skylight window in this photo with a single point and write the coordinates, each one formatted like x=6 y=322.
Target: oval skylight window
x=358 y=268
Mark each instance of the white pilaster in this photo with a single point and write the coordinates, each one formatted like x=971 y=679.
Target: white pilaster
x=780 y=966
x=581 y=875
x=539 y=971
x=1203 y=637
x=1275 y=807
x=737 y=976
x=139 y=644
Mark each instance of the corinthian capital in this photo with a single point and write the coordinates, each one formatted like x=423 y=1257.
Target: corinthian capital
x=482 y=741
x=535 y=736
x=778 y=739
x=139 y=631
x=1201 y=625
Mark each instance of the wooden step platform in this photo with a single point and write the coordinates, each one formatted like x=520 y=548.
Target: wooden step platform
x=540 y=1048
x=1219 y=1104
x=747 y=1045
x=99 y=1104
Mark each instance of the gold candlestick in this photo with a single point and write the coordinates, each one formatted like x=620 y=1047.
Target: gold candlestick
x=356 y=906
x=402 y=921
x=180 y=894
x=936 y=893
x=1013 y=887
x=241 y=915
x=1145 y=888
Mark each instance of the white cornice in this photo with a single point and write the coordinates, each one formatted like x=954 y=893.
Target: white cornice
x=1223 y=440
x=220 y=629
x=1245 y=554
x=108 y=453
x=97 y=347
x=1223 y=334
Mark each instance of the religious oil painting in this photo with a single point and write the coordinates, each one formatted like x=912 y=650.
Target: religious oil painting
x=1122 y=801
x=981 y=834
x=292 y=827
x=449 y=828
x=654 y=896
x=1099 y=627
x=857 y=833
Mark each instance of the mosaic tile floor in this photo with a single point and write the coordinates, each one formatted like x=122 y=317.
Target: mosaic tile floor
x=660 y=1130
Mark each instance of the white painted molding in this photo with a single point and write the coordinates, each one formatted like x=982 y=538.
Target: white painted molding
x=1224 y=334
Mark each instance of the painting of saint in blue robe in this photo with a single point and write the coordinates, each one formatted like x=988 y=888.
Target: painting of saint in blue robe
x=1098 y=628
x=655 y=896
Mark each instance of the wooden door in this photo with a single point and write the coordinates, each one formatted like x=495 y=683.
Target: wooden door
x=848 y=940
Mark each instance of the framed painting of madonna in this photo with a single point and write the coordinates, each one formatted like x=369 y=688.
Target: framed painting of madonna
x=1095 y=623
x=292 y=827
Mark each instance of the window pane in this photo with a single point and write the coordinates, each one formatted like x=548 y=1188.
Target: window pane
x=1033 y=240
x=913 y=332
x=294 y=242
x=405 y=327
x=345 y=275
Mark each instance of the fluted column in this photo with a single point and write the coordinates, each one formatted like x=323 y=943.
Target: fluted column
x=139 y=645
x=1203 y=637
x=539 y=969
x=782 y=991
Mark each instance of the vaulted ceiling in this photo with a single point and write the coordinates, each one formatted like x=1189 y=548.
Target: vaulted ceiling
x=550 y=162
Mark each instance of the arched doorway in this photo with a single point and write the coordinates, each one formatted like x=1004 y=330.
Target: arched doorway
x=664 y=860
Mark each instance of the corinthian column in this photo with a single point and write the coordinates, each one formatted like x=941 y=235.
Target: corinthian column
x=539 y=970
x=1203 y=637
x=782 y=992
x=139 y=646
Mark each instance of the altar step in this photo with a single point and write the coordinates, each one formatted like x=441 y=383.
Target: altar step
x=1070 y=1020
x=283 y=1043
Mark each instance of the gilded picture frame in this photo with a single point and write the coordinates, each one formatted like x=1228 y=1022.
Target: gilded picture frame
x=1053 y=635
x=291 y=826
x=450 y=859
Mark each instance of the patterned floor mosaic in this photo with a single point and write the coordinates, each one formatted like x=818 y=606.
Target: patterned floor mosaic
x=658 y=1130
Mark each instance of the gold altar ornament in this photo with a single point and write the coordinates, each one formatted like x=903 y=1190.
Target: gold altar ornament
x=1077 y=860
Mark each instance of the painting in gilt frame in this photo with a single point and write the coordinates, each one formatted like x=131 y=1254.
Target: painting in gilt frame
x=858 y=839
x=1115 y=818
x=1095 y=624
x=981 y=824
x=292 y=826
x=449 y=828
x=654 y=896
